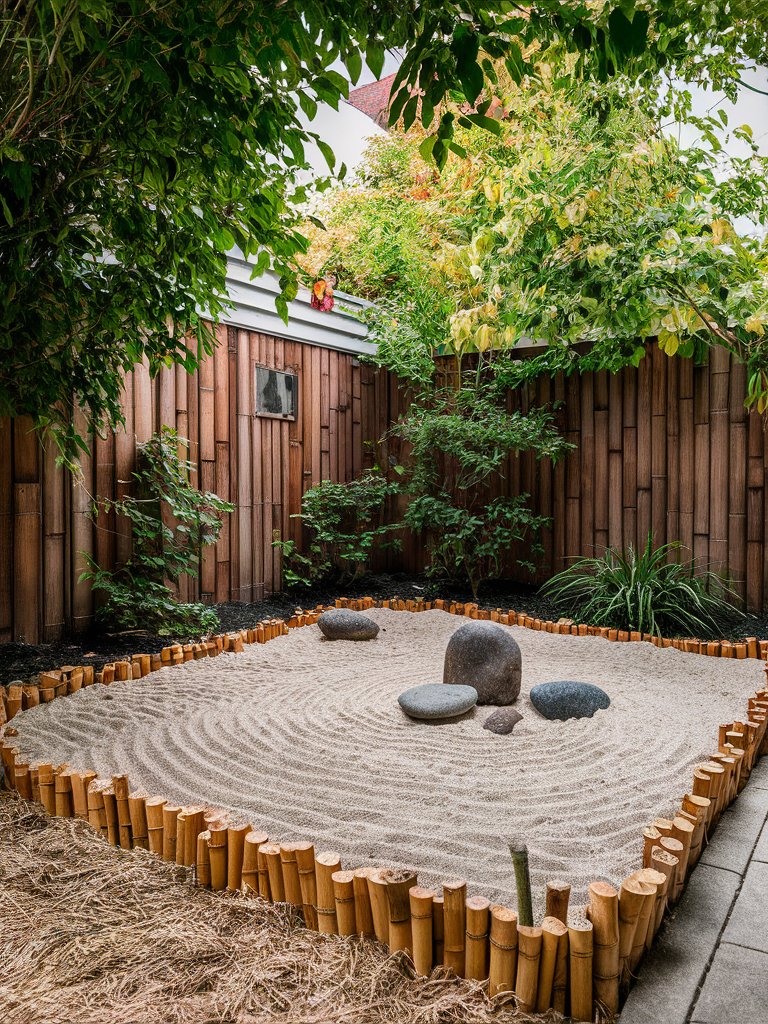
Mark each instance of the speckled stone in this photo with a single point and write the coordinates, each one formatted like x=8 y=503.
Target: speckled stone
x=484 y=655
x=559 y=701
x=502 y=721
x=434 y=700
x=344 y=624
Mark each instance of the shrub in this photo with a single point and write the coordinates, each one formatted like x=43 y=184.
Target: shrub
x=138 y=592
x=643 y=591
x=346 y=523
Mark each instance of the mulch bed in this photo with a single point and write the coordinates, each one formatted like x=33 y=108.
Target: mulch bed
x=96 y=935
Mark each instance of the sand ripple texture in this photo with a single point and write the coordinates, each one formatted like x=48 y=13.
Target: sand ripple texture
x=305 y=737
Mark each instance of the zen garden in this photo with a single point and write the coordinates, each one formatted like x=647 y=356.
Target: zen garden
x=383 y=512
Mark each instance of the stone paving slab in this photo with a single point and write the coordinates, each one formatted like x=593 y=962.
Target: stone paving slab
x=748 y=923
x=761 y=850
x=735 y=990
x=671 y=974
x=738 y=831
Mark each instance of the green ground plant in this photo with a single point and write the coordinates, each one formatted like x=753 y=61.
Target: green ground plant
x=647 y=590
x=171 y=522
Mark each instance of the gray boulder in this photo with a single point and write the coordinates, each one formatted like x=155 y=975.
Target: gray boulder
x=502 y=721
x=344 y=624
x=433 y=700
x=484 y=655
x=559 y=701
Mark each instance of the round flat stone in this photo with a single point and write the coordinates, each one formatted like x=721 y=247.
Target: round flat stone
x=559 y=701
x=344 y=624
x=436 y=700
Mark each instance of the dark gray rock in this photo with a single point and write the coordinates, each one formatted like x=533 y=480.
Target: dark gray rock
x=562 y=700
x=502 y=721
x=484 y=655
x=344 y=624
x=433 y=700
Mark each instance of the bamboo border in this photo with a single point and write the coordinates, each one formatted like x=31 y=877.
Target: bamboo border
x=585 y=968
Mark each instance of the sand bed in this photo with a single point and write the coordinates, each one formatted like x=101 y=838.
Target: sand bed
x=306 y=738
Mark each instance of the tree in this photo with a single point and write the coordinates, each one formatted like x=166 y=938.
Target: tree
x=142 y=139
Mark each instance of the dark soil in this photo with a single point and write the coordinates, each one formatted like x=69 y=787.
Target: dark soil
x=97 y=647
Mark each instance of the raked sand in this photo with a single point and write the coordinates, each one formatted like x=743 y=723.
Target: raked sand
x=306 y=738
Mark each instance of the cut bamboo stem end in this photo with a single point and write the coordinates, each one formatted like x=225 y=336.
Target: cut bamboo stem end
x=519 y=853
x=528 y=960
x=633 y=896
x=476 y=958
x=377 y=891
x=344 y=899
x=325 y=865
x=647 y=919
x=305 y=861
x=454 y=925
x=580 y=938
x=558 y=896
x=421 y=904
x=399 y=882
x=502 y=971
x=553 y=929
x=604 y=914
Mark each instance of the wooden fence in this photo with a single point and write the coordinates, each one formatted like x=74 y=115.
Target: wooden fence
x=667 y=447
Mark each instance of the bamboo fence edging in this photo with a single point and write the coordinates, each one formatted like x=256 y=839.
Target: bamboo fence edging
x=581 y=962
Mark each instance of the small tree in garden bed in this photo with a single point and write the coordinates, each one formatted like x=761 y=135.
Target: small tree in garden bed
x=171 y=522
x=346 y=524
x=644 y=591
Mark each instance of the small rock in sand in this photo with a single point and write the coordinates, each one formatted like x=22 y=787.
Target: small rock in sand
x=435 y=700
x=344 y=624
x=502 y=721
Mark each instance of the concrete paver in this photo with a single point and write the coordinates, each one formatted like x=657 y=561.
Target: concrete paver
x=738 y=831
x=736 y=988
x=748 y=923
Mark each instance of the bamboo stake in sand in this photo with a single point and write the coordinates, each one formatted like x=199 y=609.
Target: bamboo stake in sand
x=377 y=891
x=344 y=899
x=560 y=981
x=217 y=853
x=80 y=782
x=62 y=791
x=138 y=814
x=264 y=889
x=683 y=831
x=271 y=854
x=558 y=895
x=154 y=809
x=47 y=792
x=647 y=919
x=666 y=863
x=325 y=865
x=109 y=804
x=476 y=958
x=170 y=826
x=250 y=874
x=305 y=861
x=438 y=930
x=519 y=853
x=399 y=882
x=633 y=894
x=651 y=837
x=553 y=929
x=122 y=788
x=194 y=823
x=203 y=862
x=454 y=925
x=421 y=928
x=95 y=801
x=528 y=960
x=236 y=833
x=503 y=959
x=291 y=878
x=363 y=913
x=699 y=807
x=580 y=961
x=604 y=914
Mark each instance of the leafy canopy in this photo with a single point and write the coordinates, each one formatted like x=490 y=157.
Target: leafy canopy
x=141 y=139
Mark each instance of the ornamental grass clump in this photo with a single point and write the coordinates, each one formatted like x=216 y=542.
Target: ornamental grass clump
x=644 y=591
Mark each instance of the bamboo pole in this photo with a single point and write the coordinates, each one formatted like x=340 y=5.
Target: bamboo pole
x=558 y=895
x=236 y=833
x=502 y=971
x=519 y=853
x=683 y=831
x=476 y=957
x=138 y=815
x=305 y=861
x=377 y=890
x=111 y=820
x=658 y=882
x=666 y=864
x=438 y=930
x=421 y=928
x=698 y=806
x=455 y=925
x=651 y=837
x=264 y=890
x=363 y=913
x=633 y=894
x=560 y=981
x=194 y=823
x=62 y=791
x=170 y=827
x=291 y=878
x=604 y=914
x=399 y=882
x=552 y=929
x=95 y=801
x=325 y=865
x=80 y=782
x=46 y=784
x=154 y=806
x=580 y=963
x=217 y=855
x=271 y=854
x=122 y=788
x=23 y=780
x=203 y=860
x=528 y=961
x=344 y=900
x=250 y=873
